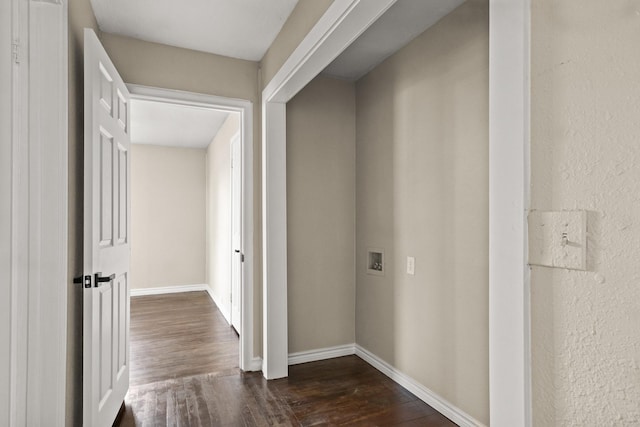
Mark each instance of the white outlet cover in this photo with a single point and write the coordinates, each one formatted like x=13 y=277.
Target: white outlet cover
x=558 y=239
x=411 y=265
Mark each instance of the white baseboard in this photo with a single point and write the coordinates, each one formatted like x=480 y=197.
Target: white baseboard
x=450 y=411
x=224 y=310
x=168 y=290
x=321 y=354
x=255 y=365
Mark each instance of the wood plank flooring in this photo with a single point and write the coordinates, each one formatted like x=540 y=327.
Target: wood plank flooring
x=179 y=335
x=184 y=364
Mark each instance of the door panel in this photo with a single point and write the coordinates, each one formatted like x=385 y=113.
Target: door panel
x=106 y=188
x=104 y=361
x=123 y=325
x=123 y=110
x=123 y=167
x=106 y=237
x=106 y=88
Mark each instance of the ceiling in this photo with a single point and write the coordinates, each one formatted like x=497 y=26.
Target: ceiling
x=236 y=28
x=243 y=29
x=403 y=22
x=163 y=123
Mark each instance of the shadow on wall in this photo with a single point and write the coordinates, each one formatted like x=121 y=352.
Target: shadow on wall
x=321 y=215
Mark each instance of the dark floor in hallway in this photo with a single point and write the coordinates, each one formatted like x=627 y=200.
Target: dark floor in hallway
x=179 y=335
x=184 y=372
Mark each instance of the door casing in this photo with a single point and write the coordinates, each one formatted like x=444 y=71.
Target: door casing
x=248 y=362
x=37 y=197
x=237 y=258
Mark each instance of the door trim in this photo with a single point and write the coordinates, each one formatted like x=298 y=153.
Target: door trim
x=39 y=214
x=509 y=203
x=230 y=319
x=245 y=109
x=341 y=24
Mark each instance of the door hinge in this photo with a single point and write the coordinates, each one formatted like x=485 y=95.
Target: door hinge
x=15 y=51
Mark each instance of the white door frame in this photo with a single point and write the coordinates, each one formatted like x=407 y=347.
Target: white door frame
x=509 y=203
x=509 y=200
x=38 y=204
x=245 y=109
x=6 y=136
x=232 y=247
x=509 y=377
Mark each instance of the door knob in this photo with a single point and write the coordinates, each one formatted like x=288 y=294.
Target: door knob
x=103 y=279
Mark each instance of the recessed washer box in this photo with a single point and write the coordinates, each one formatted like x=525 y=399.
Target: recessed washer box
x=375 y=261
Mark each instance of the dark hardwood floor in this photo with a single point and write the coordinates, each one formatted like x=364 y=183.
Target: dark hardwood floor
x=184 y=372
x=179 y=335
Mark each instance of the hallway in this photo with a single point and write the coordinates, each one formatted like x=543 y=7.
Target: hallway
x=184 y=372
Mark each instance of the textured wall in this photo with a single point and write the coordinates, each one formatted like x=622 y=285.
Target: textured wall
x=167 y=216
x=218 y=220
x=586 y=155
x=422 y=191
x=321 y=215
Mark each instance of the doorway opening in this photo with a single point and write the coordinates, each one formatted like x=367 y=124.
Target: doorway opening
x=211 y=211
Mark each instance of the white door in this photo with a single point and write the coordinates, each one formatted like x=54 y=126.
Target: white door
x=106 y=237
x=236 y=232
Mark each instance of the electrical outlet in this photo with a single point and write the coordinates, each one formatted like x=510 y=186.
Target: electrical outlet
x=411 y=265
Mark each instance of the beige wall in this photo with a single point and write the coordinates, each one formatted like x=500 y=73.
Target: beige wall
x=218 y=165
x=422 y=191
x=5 y=209
x=153 y=64
x=586 y=155
x=80 y=17
x=321 y=215
x=167 y=216
x=303 y=17
x=158 y=65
